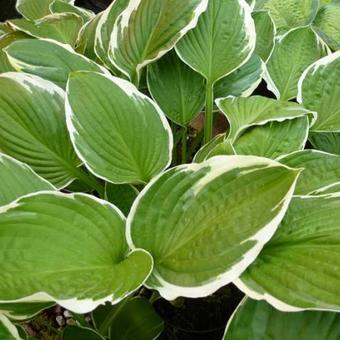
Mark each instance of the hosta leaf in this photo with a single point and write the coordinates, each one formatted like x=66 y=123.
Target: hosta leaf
x=73 y=251
x=62 y=27
x=222 y=41
x=243 y=81
x=299 y=267
x=17 y=179
x=319 y=90
x=61 y=6
x=5 y=28
x=292 y=54
x=50 y=60
x=202 y=232
x=274 y=139
x=203 y=152
x=23 y=311
x=104 y=32
x=76 y=332
x=33 y=128
x=265 y=34
x=177 y=89
x=326 y=141
x=137 y=320
x=122 y=196
x=6 y=40
x=146 y=30
x=291 y=13
x=258 y=320
x=35 y=9
x=327 y=24
x=7 y=330
x=321 y=170
x=256 y=110
x=120 y=134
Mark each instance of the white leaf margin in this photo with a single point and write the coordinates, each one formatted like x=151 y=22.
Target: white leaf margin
x=80 y=306
x=226 y=163
x=10 y=327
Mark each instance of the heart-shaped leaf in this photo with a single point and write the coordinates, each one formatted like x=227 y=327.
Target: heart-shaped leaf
x=198 y=226
x=72 y=251
x=33 y=128
x=299 y=267
x=147 y=29
x=258 y=320
x=121 y=135
x=319 y=90
x=49 y=60
x=177 y=89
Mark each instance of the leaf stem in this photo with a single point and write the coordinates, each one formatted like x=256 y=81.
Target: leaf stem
x=209 y=106
x=184 y=144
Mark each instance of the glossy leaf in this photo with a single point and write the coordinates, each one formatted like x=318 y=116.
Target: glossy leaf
x=326 y=141
x=178 y=90
x=243 y=113
x=7 y=330
x=265 y=34
x=258 y=320
x=327 y=24
x=122 y=196
x=319 y=90
x=23 y=311
x=291 y=13
x=62 y=27
x=76 y=332
x=62 y=6
x=321 y=171
x=119 y=133
x=243 y=81
x=274 y=139
x=33 y=128
x=299 y=267
x=222 y=41
x=198 y=227
x=79 y=261
x=137 y=320
x=292 y=54
x=146 y=30
x=17 y=179
x=35 y=9
x=49 y=60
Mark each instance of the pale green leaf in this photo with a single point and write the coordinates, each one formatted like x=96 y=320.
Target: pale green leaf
x=6 y=40
x=7 y=330
x=243 y=113
x=62 y=6
x=326 y=141
x=265 y=34
x=35 y=9
x=33 y=128
x=291 y=13
x=178 y=90
x=137 y=320
x=49 y=60
x=203 y=152
x=321 y=170
x=327 y=24
x=258 y=320
x=17 y=179
x=72 y=251
x=62 y=27
x=23 y=311
x=147 y=29
x=205 y=223
x=222 y=41
x=274 y=139
x=299 y=268
x=292 y=54
x=122 y=196
x=319 y=90
x=104 y=32
x=121 y=135
x=243 y=81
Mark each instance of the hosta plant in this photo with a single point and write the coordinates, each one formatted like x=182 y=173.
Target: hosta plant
x=142 y=160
